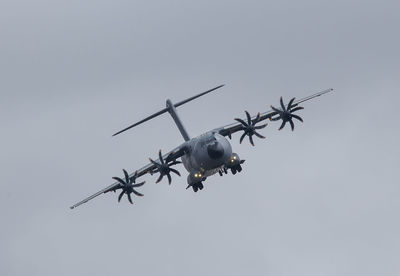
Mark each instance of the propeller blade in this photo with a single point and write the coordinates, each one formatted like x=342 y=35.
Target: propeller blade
x=290 y=103
x=137 y=193
x=126 y=177
x=291 y=124
x=175 y=172
x=160 y=156
x=242 y=122
x=160 y=177
x=297 y=117
x=296 y=109
x=251 y=140
x=282 y=125
x=248 y=118
x=242 y=137
x=129 y=198
x=174 y=163
x=120 y=195
x=282 y=105
x=154 y=163
x=139 y=184
x=259 y=135
x=276 y=109
x=119 y=180
x=261 y=127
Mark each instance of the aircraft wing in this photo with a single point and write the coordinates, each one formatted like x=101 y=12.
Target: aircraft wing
x=228 y=130
x=149 y=168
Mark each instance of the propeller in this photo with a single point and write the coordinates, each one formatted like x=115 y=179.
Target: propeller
x=286 y=113
x=250 y=127
x=128 y=186
x=164 y=167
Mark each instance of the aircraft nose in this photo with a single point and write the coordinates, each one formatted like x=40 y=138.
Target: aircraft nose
x=215 y=150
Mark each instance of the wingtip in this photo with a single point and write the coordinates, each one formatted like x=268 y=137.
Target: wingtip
x=116 y=133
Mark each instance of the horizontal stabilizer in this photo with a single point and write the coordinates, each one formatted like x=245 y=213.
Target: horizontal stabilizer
x=142 y=121
x=166 y=109
x=198 y=95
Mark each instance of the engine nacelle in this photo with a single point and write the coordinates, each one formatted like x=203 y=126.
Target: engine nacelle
x=195 y=177
x=235 y=163
x=194 y=180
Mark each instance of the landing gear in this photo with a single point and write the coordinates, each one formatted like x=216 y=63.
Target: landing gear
x=234 y=169
x=222 y=171
x=196 y=186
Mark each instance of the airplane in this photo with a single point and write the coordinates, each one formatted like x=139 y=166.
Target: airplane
x=207 y=154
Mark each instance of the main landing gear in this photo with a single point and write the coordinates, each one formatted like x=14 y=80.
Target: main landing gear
x=196 y=186
x=234 y=169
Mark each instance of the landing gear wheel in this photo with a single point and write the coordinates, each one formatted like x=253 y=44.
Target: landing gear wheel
x=196 y=186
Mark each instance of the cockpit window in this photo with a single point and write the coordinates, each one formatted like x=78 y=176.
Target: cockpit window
x=207 y=138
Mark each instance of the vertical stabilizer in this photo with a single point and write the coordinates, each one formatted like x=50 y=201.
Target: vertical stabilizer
x=177 y=120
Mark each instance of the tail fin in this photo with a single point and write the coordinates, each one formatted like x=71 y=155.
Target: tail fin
x=167 y=109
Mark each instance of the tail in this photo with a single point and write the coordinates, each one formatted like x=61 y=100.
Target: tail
x=170 y=110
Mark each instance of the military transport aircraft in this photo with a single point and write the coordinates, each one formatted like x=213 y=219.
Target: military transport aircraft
x=207 y=154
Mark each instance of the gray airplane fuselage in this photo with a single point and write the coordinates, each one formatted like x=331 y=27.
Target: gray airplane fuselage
x=206 y=155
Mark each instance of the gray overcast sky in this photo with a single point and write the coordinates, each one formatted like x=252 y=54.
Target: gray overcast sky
x=323 y=200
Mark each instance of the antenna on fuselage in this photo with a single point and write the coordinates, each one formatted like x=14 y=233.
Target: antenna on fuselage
x=171 y=109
